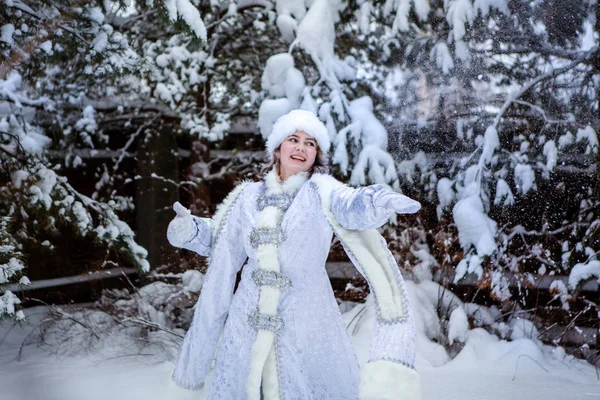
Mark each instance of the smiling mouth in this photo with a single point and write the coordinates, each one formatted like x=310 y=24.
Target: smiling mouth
x=299 y=158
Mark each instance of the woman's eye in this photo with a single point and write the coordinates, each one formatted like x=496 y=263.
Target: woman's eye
x=292 y=139
x=311 y=144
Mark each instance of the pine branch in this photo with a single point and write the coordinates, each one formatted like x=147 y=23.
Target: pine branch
x=27 y=10
x=23 y=54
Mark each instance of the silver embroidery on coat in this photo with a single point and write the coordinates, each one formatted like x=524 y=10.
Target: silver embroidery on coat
x=271 y=278
x=272 y=323
x=260 y=236
x=281 y=201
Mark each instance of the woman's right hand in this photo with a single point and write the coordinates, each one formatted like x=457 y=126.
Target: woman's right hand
x=182 y=228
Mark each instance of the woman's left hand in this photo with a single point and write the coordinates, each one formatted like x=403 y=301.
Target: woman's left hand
x=399 y=203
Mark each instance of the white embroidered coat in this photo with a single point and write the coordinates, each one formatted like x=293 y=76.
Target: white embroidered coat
x=281 y=335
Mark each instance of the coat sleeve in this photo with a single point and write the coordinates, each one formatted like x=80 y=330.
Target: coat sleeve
x=227 y=257
x=356 y=209
x=390 y=372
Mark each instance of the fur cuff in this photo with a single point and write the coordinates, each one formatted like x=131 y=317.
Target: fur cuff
x=386 y=380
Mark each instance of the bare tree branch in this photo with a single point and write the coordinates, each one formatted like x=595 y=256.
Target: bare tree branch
x=512 y=98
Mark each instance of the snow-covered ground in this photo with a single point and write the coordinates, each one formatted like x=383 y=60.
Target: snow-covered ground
x=487 y=368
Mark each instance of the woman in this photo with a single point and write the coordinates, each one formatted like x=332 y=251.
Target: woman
x=281 y=335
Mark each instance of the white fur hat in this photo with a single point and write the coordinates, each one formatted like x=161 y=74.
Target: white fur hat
x=297 y=120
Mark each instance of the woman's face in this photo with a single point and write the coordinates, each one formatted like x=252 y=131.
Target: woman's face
x=297 y=153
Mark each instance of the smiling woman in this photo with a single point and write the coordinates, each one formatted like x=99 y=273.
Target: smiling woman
x=281 y=335
x=297 y=153
x=297 y=127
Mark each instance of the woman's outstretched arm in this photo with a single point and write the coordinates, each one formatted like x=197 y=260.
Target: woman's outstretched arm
x=192 y=368
x=389 y=372
x=369 y=207
x=190 y=232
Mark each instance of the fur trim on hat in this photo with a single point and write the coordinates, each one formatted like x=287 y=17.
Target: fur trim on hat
x=297 y=120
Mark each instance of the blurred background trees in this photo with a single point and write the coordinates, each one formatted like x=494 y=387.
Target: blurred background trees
x=484 y=110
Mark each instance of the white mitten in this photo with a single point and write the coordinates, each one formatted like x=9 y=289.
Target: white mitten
x=182 y=228
x=396 y=202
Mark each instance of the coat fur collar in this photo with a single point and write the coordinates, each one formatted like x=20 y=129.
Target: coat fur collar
x=291 y=185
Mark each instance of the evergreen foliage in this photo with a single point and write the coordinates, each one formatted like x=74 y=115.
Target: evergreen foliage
x=485 y=110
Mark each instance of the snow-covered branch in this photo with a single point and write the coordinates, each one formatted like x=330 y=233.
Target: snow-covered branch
x=542 y=112
x=551 y=74
x=27 y=10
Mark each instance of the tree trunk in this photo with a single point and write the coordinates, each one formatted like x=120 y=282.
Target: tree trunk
x=157 y=154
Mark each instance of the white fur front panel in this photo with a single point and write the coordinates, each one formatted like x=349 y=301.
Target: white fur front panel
x=266 y=255
x=269 y=300
x=260 y=351
x=263 y=368
x=270 y=377
x=269 y=218
x=268 y=303
x=386 y=380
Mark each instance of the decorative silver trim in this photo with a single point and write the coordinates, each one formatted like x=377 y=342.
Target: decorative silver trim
x=260 y=236
x=271 y=323
x=277 y=363
x=281 y=201
x=271 y=278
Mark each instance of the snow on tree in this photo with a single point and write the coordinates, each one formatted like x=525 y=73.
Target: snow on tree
x=59 y=61
x=510 y=86
x=486 y=110
x=285 y=86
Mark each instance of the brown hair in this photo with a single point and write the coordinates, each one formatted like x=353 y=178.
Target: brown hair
x=321 y=165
